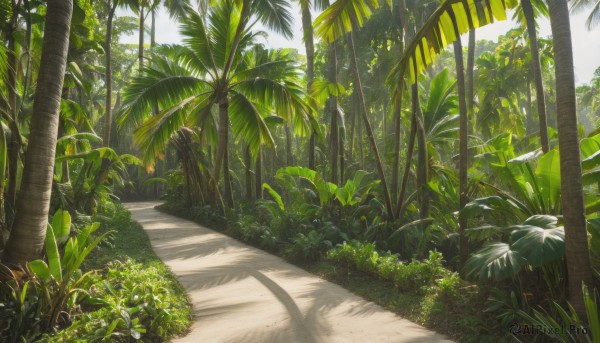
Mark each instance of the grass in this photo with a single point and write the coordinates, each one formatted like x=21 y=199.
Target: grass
x=133 y=290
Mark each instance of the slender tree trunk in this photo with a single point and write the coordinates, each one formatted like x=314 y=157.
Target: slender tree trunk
x=333 y=110
x=409 y=156
x=248 y=164
x=14 y=146
x=363 y=111
x=361 y=149
x=530 y=129
x=463 y=148
x=537 y=73
x=227 y=179
x=470 y=71
x=352 y=134
x=398 y=112
x=309 y=45
x=153 y=29
x=289 y=156
x=422 y=160
x=222 y=160
x=579 y=270
x=141 y=39
x=259 y=182
x=29 y=231
x=108 y=74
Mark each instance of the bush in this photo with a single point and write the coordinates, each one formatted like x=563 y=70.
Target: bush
x=411 y=276
x=308 y=247
x=135 y=301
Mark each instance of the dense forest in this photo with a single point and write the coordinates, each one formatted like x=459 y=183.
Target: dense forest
x=465 y=176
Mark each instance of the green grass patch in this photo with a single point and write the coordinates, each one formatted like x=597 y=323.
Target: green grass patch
x=133 y=295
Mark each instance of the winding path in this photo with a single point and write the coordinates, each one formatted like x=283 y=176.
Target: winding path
x=242 y=294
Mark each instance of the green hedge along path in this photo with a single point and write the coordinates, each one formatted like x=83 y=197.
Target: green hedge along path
x=243 y=294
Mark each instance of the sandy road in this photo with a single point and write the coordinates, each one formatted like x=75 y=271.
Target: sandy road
x=242 y=294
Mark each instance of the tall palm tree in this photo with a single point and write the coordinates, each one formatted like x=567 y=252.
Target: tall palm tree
x=529 y=14
x=309 y=45
x=111 y=6
x=29 y=230
x=573 y=209
x=188 y=82
x=347 y=16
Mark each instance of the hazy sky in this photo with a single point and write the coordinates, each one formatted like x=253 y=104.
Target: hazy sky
x=586 y=45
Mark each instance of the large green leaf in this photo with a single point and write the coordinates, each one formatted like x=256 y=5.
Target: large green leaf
x=53 y=255
x=539 y=244
x=496 y=261
x=451 y=19
x=548 y=177
x=275 y=196
x=61 y=223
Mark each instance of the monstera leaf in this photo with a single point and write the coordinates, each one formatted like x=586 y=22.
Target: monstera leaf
x=496 y=261
x=537 y=241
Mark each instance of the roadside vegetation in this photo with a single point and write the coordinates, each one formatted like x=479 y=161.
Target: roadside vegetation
x=439 y=180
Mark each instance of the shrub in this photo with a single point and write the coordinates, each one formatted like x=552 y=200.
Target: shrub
x=308 y=247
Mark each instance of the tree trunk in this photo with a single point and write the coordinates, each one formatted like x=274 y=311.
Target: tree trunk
x=227 y=179
x=108 y=75
x=248 y=164
x=579 y=270
x=141 y=40
x=365 y=116
x=259 y=182
x=529 y=129
x=222 y=160
x=29 y=231
x=422 y=160
x=309 y=45
x=470 y=71
x=289 y=156
x=333 y=139
x=537 y=73
x=409 y=155
x=463 y=149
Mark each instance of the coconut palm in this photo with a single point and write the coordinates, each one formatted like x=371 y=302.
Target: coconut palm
x=309 y=45
x=29 y=230
x=188 y=83
x=573 y=208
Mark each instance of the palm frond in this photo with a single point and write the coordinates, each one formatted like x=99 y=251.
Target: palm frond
x=341 y=16
x=154 y=134
x=153 y=88
x=444 y=26
x=276 y=15
x=195 y=34
x=247 y=122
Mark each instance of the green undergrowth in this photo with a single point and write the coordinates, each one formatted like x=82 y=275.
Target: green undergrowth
x=423 y=291
x=133 y=296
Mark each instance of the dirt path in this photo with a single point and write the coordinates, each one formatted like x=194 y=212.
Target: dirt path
x=242 y=294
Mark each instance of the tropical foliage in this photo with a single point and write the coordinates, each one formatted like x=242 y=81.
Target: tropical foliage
x=375 y=151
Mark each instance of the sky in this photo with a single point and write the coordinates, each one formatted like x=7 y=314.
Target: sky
x=586 y=44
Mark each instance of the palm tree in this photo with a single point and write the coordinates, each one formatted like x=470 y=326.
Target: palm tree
x=346 y=16
x=573 y=209
x=189 y=82
x=528 y=12
x=111 y=6
x=309 y=45
x=29 y=230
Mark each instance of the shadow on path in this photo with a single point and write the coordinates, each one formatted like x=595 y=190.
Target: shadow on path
x=242 y=294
